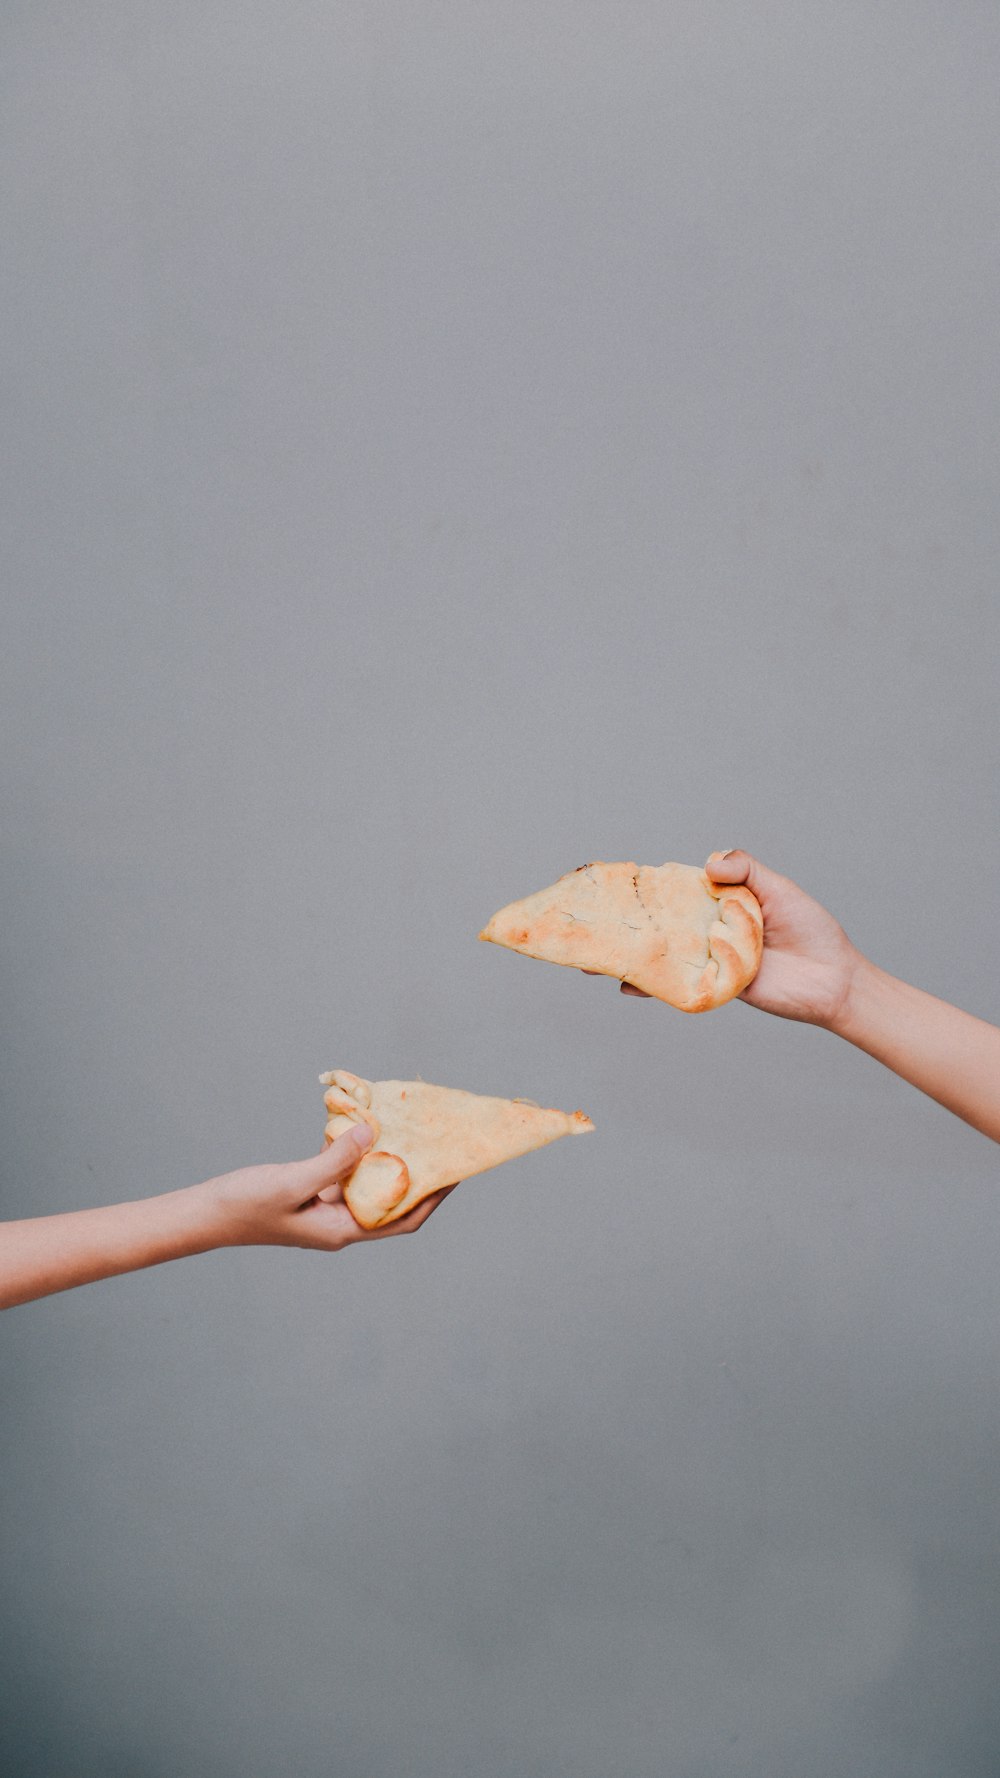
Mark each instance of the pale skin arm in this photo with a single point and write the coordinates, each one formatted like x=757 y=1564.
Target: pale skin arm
x=296 y=1204
x=811 y=971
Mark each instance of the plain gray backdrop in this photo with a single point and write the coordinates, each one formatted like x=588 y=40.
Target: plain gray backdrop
x=445 y=443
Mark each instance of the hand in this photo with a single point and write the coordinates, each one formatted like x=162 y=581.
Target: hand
x=811 y=971
x=301 y=1203
x=296 y=1205
x=809 y=963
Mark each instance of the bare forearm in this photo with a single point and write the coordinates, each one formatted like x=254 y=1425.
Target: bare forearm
x=948 y=1054
x=52 y=1253
x=277 y=1204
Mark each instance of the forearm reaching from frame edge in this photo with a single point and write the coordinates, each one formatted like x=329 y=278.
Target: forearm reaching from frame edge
x=811 y=971
x=46 y=1254
x=948 y=1054
x=283 y=1204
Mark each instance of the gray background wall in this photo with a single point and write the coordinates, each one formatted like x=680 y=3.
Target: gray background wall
x=445 y=443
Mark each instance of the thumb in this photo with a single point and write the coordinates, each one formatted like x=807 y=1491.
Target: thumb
x=336 y=1162
x=739 y=867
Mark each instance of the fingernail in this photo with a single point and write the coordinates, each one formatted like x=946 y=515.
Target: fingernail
x=364 y=1135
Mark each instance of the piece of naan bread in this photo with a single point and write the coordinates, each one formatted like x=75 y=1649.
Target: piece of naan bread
x=665 y=928
x=427 y=1136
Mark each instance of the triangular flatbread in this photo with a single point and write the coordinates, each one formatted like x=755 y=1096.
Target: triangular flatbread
x=427 y=1136
x=665 y=928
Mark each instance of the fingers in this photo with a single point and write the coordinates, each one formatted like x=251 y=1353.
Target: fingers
x=729 y=867
x=324 y=1170
x=740 y=867
x=408 y=1225
x=417 y=1218
x=626 y=987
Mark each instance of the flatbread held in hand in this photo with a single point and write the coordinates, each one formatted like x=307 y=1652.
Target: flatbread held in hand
x=664 y=928
x=427 y=1137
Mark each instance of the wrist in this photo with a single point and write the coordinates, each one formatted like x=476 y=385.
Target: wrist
x=861 y=978
x=241 y=1209
x=190 y=1220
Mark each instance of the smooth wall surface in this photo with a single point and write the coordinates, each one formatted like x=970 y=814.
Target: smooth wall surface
x=444 y=443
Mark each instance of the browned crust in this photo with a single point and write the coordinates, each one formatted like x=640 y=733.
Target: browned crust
x=638 y=924
x=426 y=1137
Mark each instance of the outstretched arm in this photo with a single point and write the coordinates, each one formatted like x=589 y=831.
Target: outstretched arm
x=810 y=970
x=276 y=1205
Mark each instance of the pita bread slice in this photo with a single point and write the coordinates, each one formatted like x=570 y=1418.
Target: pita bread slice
x=427 y=1136
x=665 y=928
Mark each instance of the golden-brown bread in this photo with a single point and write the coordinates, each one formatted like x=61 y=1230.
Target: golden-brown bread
x=427 y=1137
x=665 y=928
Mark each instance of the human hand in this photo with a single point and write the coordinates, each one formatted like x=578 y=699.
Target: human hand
x=301 y=1203
x=809 y=963
x=811 y=971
